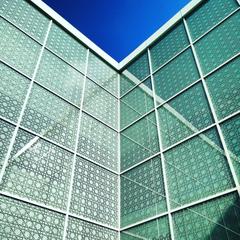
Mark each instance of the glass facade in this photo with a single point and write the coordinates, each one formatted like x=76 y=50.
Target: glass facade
x=150 y=151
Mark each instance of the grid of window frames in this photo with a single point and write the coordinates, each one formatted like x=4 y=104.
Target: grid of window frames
x=180 y=130
x=58 y=132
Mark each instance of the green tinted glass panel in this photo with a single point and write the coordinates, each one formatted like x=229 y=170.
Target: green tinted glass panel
x=213 y=220
x=145 y=138
x=101 y=104
x=6 y=131
x=95 y=193
x=38 y=171
x=26 y=17
x=67 y=47
x=23 y=221
x=139 y=100
x=224 y=88
x=140 y=67
x=17 y=49
x=125 y=84
x=220 y=44
x=208 y=14
x=103 y=74
x=142 y=192
x=231 y=132
x=98 y=142
x=56 y=75
x=78 y=229
x=175 y=76
x=168 y=46
x=196 y=169
x=13 y=90
x=157 y=229
x=184 y=115
x=51 y=117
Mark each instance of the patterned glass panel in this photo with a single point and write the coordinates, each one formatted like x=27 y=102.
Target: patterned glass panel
x=23 y=221
x=125 y=84
x=95 y=193
x=184 y=115
x=56 y=75
x=67 y=47
x=98 y=142
x=13 y=89
x=157 y=229
x=213 y=220
x=175 y=76
x=38 y=171
x=6 y=131
x=168 y=46
x=139 y=141
x=220 y=44
x=224 y=88
x=139 y=100
x=103 y=74
x=26 y=17
x=140 y=67
x=208 y=14
x=17 y=49
x=196 y=169
x=51 y=117
x=78 y=229
x=142 y=192
x=231 y=132
x=101 y=104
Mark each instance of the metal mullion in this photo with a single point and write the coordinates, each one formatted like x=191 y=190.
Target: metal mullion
x=21 y=30
x=216 y=25
x=24 y=105
x=160 y=147
x=171 y=59
x=229 y=117
x=8 y=121
x=75 y=153
x=229 y=160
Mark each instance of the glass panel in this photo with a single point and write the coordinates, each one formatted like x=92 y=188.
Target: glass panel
x=184 y=115
x=101 y=104
x=231 y=132
x=125 y=84
x=224 y=88
x=26 y=50
x=220 y=44
x=67 y=47
x=139 y=141
x=6 y=131
x=13 y=90
x=95 y=193
x=78 y=229
x=23 y=221
x=215 y=220
x=197 y=169
x=51 y=117
x=59 y=77
x=142 y=192
x=175 y=76
x=26 y=17
x=140 y=67
x=157 y=229
x=139 y=100
x=103 y=74
x=38 y=171
x=208 y=14
x=168 y=46
x=98 y=142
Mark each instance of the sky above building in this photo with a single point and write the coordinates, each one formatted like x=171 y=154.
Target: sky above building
x=117 y=27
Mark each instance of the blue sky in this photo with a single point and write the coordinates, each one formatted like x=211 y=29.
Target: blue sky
x=118 y=27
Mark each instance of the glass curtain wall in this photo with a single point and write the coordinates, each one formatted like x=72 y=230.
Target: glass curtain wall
x=180 y=130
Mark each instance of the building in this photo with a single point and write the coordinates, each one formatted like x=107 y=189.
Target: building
x=148 y=148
